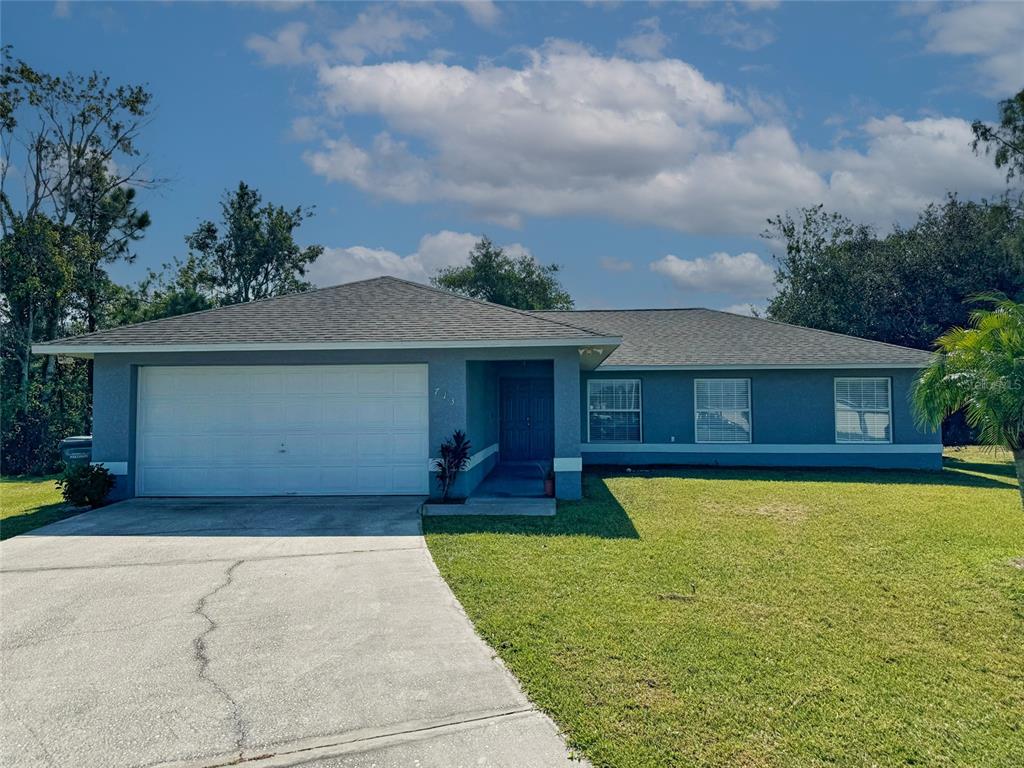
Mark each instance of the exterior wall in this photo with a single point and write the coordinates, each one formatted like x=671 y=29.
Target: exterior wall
x=462 y=383
x=791 y=410
x=482 y=415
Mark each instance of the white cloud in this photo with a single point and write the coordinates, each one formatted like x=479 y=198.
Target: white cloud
x=727 y=22
x=992 y=32
x=62 y=9
x=744 y=309
x=436 y=251
x=570 y=132
x=743 y=276
x=647 y=41
x=611 y=264
x=305 y=128
x=378 y=33
x=484 y=13
x=287 y=47
x=907 y=164
x=375 y=32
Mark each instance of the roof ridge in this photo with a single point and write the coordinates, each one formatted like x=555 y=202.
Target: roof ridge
x=820 y=330
x=531 y=313
x=746 y=317
x=631 y=309
x=210 y=309
x=380 y=278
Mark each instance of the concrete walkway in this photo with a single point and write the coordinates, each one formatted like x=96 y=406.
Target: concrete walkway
x=271 y=631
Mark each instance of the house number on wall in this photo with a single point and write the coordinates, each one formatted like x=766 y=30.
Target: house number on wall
x=442 y=394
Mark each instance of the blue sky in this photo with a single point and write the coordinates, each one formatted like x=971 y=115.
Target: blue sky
x=639 y=145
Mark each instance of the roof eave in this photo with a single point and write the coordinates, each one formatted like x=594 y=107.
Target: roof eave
x=89 y=350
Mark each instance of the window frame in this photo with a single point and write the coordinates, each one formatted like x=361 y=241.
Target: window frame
x=749 y=409
x=639 y=409
x=835 y=409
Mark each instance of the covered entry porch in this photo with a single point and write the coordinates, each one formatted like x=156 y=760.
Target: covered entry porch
x=513 y=414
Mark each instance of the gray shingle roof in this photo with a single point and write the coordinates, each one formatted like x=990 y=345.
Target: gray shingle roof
x=706 y=337
x=384 y=309
x=390 y=310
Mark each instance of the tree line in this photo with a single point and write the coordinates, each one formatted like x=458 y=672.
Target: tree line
x=73 y=168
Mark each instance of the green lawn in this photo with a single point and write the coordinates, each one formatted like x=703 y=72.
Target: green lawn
x=762 y=617
x=30 y=502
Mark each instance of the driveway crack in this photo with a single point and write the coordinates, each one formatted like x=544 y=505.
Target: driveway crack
x=201 y=653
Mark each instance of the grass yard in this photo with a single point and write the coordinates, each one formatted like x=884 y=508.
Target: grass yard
x=763 y=617
x=30 y=502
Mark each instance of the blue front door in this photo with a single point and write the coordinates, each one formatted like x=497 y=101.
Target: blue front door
x=527 y=420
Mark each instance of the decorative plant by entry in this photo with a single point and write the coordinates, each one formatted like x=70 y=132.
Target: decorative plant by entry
x=454 y=457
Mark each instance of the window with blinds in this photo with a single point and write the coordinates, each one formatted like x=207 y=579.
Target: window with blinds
x=863 y=410
x=613 y=410
x=722 y=410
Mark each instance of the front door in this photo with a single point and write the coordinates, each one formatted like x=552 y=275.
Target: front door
x=527 y=420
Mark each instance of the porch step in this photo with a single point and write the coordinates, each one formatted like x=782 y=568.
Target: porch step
x=485 y=505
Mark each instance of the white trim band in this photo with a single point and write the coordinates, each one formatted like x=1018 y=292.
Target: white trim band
x=756 y=448
x=84 y=350
x=114 y=467
x=477 y=458
x=571 y=464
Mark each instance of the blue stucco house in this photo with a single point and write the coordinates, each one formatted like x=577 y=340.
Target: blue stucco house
x=351 y=389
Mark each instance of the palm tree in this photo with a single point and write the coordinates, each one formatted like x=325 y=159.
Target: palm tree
x=980 y=369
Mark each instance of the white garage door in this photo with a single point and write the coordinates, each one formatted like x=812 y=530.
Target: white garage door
x=269 y=430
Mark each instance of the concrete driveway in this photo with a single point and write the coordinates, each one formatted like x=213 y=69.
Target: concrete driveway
x=272 y=631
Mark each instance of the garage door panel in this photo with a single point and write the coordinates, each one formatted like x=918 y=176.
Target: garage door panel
x=408 y=448
x=305 y=412
x=412 y=381
x=269 y=430
x=302 y=449
x=302 y=382
x=375 y=412
x=370 y=477
x=376 y=381
x=338 y=480
x=157 y=480
x=409 y=413
x=337 y=450
x=374 y=448
x=341 y=414
x=160 y=415
x=221 y=415
x=269 y=383
x=166 y=384
x=408 y=478
x=267 y=415
x=339 y=382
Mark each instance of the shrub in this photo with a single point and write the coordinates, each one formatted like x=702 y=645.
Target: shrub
x=454 y=457
x=86 y=485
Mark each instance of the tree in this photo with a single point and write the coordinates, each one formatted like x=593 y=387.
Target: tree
x=76 y=124
x=254 y=255
x=173 y=291
x=110 y=222
x=35 y=277
x=69 y=212
x=1004 y=141
x=904 y=288
x=980 y=370
x=514 y=281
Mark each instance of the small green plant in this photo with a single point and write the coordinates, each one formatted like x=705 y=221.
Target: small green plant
x=86 y=485
x=454 y=457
